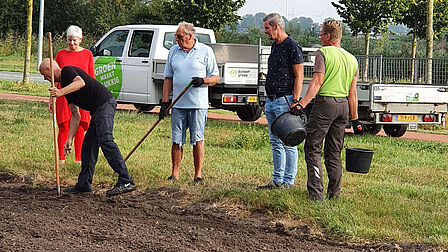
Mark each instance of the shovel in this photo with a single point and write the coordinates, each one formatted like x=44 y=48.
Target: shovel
x=55 y=137
x=157 y=122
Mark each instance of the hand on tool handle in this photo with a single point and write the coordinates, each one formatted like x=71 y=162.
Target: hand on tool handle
x=163 y=109
x=197 y=81
x=55 y=92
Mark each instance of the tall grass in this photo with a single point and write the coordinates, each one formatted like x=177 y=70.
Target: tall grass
x=404 y=197
x=13 y=47
x=31 y=88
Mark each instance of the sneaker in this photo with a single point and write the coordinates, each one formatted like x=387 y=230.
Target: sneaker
x=74 y=190
x=287 y=186
x=120 y=188
x=61 y=161
x=198 y=180
x=271 y=185
x=172 y=178
x=78 y=162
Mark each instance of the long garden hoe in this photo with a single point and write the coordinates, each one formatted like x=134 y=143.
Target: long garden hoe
x=157 y=122
x=55 y=137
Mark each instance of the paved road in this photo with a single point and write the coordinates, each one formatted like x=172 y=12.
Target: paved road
x=17 y=76
x=262 y=121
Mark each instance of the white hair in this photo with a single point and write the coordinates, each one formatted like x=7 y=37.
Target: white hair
x=74 y=31
x=188 y=27
x=273 y=19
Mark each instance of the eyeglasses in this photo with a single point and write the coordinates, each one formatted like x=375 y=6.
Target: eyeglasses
x=179 y=37
x=321 y=34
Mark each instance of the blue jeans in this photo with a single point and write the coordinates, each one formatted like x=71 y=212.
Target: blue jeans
x=284 y=157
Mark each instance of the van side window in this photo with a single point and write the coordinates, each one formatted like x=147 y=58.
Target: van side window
x=140 y=44
x=113 y=45
x=170 y=39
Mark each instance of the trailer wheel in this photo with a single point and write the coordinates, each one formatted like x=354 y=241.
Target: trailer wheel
x=395 y=130
x=373 y=129
x=144 y=107
x=249 y=113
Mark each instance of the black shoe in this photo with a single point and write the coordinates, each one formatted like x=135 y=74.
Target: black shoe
x=172 y=178
x=198 y=180
x=271 y=185
x=120 y=188
x=74 y=190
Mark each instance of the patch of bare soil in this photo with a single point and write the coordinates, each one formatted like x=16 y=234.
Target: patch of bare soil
x=36 y=219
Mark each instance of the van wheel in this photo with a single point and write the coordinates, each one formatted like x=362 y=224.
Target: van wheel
x=249 y=113
x=395 y=130
x=373 y=129
x=144 y=107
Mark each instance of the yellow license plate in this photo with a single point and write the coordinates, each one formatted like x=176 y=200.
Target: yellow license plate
x=251 y=99
x=407 y=118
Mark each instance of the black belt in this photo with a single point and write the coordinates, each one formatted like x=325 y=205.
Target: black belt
x=338 y=99
x=275 y=96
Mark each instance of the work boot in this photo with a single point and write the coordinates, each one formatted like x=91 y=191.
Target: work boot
x=271 y=185
x=120 y=188
x=74 y=190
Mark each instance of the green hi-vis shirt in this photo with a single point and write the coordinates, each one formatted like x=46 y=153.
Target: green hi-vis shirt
x=340 y=69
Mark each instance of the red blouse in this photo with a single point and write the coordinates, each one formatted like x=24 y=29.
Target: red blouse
x=84 y=60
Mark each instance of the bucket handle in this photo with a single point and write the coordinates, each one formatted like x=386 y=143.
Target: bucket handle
x=373 y=145
x=286 y=99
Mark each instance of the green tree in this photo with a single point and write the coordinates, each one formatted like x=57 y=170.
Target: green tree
x=416 y=19
x=212 y=14
x=429 y=39
x=366 y=16
x=29 y=35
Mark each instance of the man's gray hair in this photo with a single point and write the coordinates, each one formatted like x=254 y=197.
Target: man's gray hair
x=74 y=31
x=273 y=19
x=188 y=28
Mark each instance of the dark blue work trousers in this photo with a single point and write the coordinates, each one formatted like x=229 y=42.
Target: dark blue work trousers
x=99 y=135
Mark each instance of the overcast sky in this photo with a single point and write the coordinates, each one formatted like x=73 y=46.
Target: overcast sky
x=318 y=10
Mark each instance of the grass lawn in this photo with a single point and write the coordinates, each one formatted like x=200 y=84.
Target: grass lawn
x=404 y=197
x=14 y=63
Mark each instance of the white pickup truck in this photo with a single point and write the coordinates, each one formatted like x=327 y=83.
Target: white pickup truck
x=129 y=61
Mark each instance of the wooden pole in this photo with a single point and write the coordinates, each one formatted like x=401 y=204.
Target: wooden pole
x=157 y=122
x=53 y=99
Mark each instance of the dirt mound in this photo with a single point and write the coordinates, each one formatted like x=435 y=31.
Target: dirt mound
x=34 y=218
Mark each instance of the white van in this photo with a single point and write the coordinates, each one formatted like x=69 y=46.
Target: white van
x=125 y=60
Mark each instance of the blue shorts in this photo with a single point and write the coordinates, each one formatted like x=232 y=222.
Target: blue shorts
x=183 y=119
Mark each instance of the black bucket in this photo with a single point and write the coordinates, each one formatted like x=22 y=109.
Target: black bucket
x=289 y=128
x=358 y=160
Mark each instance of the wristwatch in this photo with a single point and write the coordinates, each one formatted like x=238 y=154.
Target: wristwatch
x=295 y=101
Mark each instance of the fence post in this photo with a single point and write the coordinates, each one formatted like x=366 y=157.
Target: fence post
x=375 y=69
x=381 y=69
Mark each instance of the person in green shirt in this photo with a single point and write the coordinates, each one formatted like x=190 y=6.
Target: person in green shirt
x=333 y=88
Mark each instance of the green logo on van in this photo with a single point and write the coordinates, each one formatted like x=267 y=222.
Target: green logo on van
x=108 y=72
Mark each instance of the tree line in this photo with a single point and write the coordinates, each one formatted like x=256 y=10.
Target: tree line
x=361 y=19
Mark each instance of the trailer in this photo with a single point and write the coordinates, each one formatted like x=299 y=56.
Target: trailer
x=393 y=94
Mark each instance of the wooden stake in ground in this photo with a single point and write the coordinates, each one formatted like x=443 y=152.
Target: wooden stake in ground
x=157 y=122
x=53 y=99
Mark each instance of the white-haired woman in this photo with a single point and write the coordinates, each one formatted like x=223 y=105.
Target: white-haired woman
x=73 y=55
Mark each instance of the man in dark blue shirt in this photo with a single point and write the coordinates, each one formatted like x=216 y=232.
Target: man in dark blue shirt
x=83 y=91
x=284 y=81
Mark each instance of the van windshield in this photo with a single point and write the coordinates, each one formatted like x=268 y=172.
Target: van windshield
x=170 y=39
